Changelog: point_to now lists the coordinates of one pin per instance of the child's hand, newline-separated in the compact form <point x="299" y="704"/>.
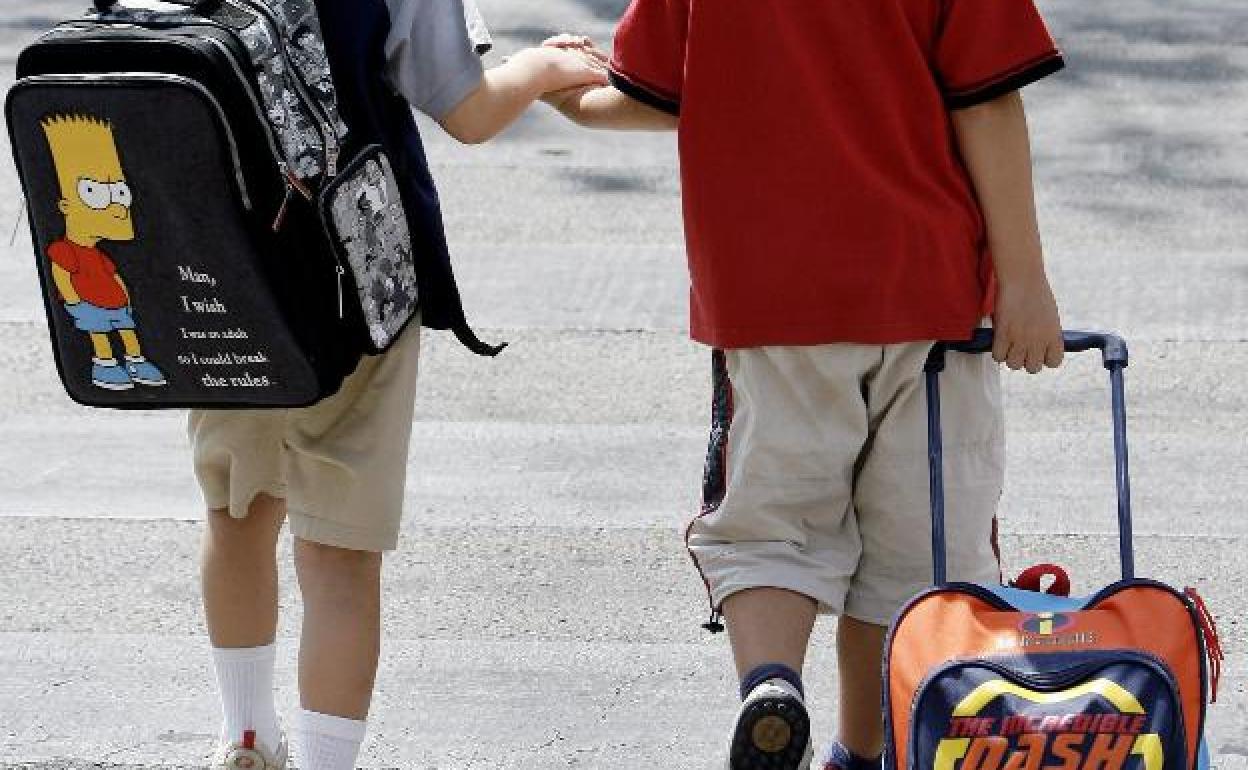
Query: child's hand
<point x="558" y="68"/>
<point x="1028" y="330"/>
<point x="577" y="43"/>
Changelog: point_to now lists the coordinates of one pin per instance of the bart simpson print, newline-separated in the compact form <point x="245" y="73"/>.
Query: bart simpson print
<point x="96" y="201"/>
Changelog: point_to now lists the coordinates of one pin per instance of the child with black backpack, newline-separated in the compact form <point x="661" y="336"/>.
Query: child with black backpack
<point x="337" y="469"/>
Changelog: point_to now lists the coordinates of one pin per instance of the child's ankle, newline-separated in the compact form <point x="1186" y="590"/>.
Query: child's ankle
<point x="843" y="758"/>
<point x="762" y="673"/>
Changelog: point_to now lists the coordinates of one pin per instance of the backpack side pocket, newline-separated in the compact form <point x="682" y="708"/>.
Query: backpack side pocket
<point x="366" y="224"/>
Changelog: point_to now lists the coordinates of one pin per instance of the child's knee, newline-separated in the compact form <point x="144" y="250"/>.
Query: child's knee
<point x="338" y="565"/>
<point x="260" y="527"/>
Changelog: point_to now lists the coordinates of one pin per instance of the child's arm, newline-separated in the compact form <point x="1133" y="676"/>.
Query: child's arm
<point x="997" y="152"/>
<point x="608" y="107"/>
<point x="508" y="90"/>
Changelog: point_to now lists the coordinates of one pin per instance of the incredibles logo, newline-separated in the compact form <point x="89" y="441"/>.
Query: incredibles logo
<point x="1078" y="740"/>
<point x="1048" y="630"/>
<point x="1046" y="623"/>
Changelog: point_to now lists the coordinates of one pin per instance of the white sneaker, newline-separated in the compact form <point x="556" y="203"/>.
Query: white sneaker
<point x="247" y="756"/>
<point x="772" y="731"/>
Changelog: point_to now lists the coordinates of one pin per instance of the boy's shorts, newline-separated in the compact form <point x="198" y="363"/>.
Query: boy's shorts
<point x="341" y="465"/>
<point x="817" y="475"/>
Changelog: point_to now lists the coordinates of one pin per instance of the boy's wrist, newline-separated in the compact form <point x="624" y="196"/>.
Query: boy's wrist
<point x="1021" y="269"/>
<point x="1019" y="259"/>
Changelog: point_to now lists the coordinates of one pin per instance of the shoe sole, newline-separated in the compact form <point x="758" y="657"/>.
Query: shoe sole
<point x="152" y="383"/>
<point x="112" y="385"/>
<point x="771" y="734"/>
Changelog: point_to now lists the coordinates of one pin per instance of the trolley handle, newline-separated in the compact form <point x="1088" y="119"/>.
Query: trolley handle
<point x="1113" y="348"/>
<point x="1114" y="357"/>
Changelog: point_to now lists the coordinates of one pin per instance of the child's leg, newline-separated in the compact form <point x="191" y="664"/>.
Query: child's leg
<point x="239" y="582"/>
<point x="894" y="514"/>
<point x="769" y="625"/>
<point x="859" y="648"/>
<point x="341" y="637"/>
<point x="777" y="537"/>
<point x="338" y="652"/>
<point x="238" y="573"/>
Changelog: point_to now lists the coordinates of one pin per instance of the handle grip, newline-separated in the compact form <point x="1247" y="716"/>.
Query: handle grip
<point x="1113" y="348"/>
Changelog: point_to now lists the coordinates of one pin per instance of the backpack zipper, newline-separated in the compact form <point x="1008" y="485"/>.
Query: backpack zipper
<point x="177" y="39"/>
<point x="194" y="86"/>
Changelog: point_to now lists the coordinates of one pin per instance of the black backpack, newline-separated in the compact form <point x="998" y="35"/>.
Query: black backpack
<point x="207" y="231"/>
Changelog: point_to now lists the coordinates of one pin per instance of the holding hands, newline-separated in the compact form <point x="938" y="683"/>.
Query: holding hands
<point x="563" y="62"/>
<point x="508" y="89"/>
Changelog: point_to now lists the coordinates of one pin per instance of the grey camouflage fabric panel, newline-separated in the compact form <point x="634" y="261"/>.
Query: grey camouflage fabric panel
<point x="371" y="225"/>
<point x="296" y="127"/>
<point x="306" y="47"/>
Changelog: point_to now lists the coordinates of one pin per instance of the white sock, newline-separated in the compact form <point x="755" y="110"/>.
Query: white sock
<point x="324" y="742"/>
<point x="245" y="679"/>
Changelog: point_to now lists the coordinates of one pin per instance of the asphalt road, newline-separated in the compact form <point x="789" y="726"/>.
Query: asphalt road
<point x="541" y="611"/>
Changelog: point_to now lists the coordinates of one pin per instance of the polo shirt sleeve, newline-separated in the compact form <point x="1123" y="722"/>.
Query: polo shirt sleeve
<point x="431" y="52"/>
<point x="988" y="48"/>
<point x="649" y="59"/>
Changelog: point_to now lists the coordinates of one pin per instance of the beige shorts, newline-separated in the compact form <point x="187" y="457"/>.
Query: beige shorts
<point x="341" y="465"/>
<point x="817" y="475"/>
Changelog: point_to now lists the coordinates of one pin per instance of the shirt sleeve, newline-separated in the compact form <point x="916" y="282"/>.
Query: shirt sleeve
<point x="63" y="256"/>
<point x="988" y="48"/>
<point x="431" y="55"/>
<point x="649" y="60"/>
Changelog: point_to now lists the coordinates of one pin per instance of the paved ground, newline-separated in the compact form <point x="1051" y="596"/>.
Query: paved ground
<point x="541" y="611"/>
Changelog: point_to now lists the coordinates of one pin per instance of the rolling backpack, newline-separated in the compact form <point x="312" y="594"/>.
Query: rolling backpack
<point x="208" y="230"/>
<point x="986" y="677"/>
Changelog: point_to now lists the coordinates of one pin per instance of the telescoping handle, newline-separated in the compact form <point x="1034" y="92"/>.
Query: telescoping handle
<point x="1113" y="355"/>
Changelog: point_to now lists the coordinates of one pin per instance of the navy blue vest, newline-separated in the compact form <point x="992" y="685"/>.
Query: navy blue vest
<point x="355" y="34"/>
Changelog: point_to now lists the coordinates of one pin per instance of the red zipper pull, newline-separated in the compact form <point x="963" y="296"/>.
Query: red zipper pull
<point x="293" y="184"/>
<point x="1213" y="642"/>
<point x="280" y="219"/>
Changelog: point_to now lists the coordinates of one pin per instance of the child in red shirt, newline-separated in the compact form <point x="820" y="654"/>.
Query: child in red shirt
<point x="856" y="184"/>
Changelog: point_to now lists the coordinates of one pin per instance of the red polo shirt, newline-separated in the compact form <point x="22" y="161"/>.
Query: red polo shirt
<point x="824" y="197"/>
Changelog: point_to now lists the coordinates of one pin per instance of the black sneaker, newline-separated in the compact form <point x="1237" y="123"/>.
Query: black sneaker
<point x="772" y="730"/>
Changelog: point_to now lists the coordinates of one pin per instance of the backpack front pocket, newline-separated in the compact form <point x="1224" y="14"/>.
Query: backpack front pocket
<point x="1089" y="711"/>
<point x="157" y="291"/>
<point x="367" y="225"/>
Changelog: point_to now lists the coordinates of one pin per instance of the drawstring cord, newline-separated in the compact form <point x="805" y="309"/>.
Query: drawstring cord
<point x="716" y="624"/>
<point x="1213" y="643"/>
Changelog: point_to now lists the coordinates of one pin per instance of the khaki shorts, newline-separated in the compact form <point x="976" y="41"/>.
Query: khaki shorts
<point x="817" y="475"/>
<point x="341" y="465"/>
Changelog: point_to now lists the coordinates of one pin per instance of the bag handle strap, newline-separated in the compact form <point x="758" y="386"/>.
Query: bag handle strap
<point x="1114" y="357"/>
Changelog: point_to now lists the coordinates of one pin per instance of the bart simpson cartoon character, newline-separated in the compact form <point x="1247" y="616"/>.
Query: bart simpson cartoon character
<point x="95" y="201"/>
